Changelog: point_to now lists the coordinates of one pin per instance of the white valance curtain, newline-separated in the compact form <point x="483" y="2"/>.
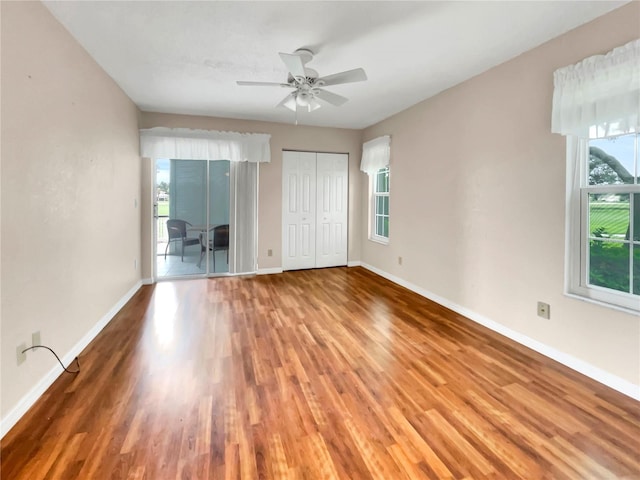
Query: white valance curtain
<point x="376" y="154"/>
<point x="188" y="144"/>
<point x="600" y="95"/>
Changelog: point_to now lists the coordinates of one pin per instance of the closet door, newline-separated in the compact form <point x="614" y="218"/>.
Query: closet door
<point x="331" y="209"/>
<point x="298" y="210"/>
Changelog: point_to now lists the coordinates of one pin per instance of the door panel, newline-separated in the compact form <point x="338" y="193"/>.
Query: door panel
<point x="332" y="172"/>
<point x="306" y="189"/>
<point x="293" y="193"/>
<point x="299" y="218"/>
<point x="337" y="239"/>
<point x="291" y="250"/>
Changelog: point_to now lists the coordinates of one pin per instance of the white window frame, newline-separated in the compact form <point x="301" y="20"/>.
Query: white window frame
<point x="577" y="231"/>
<point x="373" y="196"/>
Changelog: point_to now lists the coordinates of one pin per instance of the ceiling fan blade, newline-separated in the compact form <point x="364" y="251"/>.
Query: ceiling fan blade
<point x="331" y="98"/>
<point x="294" y="64"/>
<point x="314" y="105"/>
<point x="263" y="84"/>
<point x="288" y="102"/>
<point x="355" y="75"/>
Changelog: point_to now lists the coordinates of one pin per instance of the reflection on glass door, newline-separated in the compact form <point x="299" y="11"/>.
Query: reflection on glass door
<point x="218" y="233"/>
<point x="192" y="198"/>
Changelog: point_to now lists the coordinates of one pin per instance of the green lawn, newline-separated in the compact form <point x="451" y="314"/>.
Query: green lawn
<point x="163" y="208"/>
<point x="609" y="266"/>
<point x="612" y="218"/>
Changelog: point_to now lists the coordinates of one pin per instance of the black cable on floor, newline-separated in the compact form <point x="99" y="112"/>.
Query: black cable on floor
<point x="59" y="361"/>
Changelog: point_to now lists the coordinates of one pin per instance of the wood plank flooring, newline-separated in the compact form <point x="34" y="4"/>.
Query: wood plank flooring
<point x="333" y="373"/>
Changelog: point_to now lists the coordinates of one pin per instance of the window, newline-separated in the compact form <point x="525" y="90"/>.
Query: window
<point x="595" y="106"/>
<point x="380" y="205"/>
<point x="608" y="209"/>
<point x="376" y="156"/>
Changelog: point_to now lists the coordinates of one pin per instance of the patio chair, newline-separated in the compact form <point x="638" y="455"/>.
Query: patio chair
<point x="177" y="230"/>
<point x="203" y="246"/>
<point x="220" y="241"/>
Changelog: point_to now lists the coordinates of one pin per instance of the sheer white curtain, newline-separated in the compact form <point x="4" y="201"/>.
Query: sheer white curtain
<point x="577" y="151"/>
<point x="243" y="256"/>
<point x="376" y="154"/>
<point x="245" y="151"/>
<point x="600" y="95"/>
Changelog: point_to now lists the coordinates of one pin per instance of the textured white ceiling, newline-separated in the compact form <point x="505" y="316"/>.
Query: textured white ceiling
<point x="184" y="57"/>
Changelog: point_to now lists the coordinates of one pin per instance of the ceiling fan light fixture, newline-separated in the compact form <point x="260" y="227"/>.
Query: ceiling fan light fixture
<point x="290" y="103"/>
<point x="303" y="99"/>
<point x="314" y="105"/>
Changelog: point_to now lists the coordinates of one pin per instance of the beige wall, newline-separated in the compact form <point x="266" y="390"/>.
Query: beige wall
<point x="478" y="198"/>
<point x="70" y="177"/>
<point x="283" y="137"/>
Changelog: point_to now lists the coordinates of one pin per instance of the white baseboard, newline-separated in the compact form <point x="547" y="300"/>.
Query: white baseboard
<point x="147" y="281"/>
<point x="613" y="381"/>
<point x="269" y="271"/>
<point x="45" y="382"/>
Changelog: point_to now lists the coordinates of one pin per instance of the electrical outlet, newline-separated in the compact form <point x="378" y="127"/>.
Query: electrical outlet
<point x="269" y="253"/>
<point x="35" y="339"/>
<point x="544" y="310"/>
<point x="399" y="260"/>
<point x="21" y="357"/>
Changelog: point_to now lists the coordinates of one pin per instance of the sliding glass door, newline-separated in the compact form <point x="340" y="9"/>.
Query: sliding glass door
<point x="192" y="217"/>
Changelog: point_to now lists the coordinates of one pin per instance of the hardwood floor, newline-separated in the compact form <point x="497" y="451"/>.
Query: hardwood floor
<point x="333" y="373"/>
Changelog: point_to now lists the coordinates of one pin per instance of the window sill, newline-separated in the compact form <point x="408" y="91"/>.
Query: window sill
<point x="602" y="303"/>
<point x="380" y="240"/>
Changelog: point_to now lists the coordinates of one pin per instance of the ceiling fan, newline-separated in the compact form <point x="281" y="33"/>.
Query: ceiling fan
<point x="307" y="85"/>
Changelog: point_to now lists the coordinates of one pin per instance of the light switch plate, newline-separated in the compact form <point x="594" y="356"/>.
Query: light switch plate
<point x="544" y="310"/>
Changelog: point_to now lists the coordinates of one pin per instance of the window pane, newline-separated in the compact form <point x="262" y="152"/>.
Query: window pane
<point x="636" y="216"/>
<point x="378" y="225"/>
<point x="385" y="229"/>
<point x="612" y="160"/>
<point x="609" y="264"/>
<point x="609" y="216"/>
<point x="382" y="180"/>
<point x="379" y="205"/>
<point x="636" y="269"/>
<point x="385" y="203"/>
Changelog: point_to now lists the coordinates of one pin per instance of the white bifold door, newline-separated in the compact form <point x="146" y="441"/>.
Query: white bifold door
<point x="314" y="209"/>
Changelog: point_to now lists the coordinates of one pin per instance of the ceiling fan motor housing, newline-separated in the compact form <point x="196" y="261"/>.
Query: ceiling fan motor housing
<point x="305" y="55"/>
